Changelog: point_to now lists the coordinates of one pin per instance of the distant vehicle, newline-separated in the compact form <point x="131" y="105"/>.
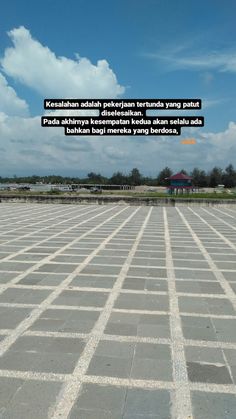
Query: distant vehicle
<point x="61" y="188"/>
<point x="219" y="189"/>
<point x="23" y="188"/>
<point x="96" y="190"/>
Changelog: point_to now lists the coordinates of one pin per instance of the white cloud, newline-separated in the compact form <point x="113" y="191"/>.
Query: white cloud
<point x="116" y="154"/>
<point x="219" y="61"/>
<point x="29" y="148"/>
<point x="10" y="103"/>
<point x="221" y="145"/>
<point x="216" y="60"/>
<point x="26" y="148"/>
<point x="37" y="67"/>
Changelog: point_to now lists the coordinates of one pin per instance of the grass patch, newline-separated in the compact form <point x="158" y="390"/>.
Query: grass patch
<point x="216" y="196"/>
<point x="165" y="195"/>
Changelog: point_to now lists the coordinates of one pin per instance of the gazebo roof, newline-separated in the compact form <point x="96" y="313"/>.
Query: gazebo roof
<point x="179" y="176"/>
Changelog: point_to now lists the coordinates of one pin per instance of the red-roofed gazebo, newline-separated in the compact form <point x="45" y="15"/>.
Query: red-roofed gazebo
<point x="180" y="182"/>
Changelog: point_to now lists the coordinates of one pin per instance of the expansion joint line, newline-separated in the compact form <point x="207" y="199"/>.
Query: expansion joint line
<point x="218" y="274"/>
<point x="6" y="343"/>
<point x="218" y="218"/>
<point x="222" y="237"/>
<point x="42" y="218"/>
<point x="46" y="259"/>
<point x="182" y="402"/>
<point x="78" y="214"/>
<point x="72" y="388"/>
<point x="229" y="293"/>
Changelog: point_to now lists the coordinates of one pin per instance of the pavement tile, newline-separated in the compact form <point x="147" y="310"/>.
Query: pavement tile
<point x="82" y="298"/>
<point x="96" y="401"/>
<point x="204" y="355"/>
<point x="191" y="264"/>
<point x="198" y="328"/>
<point x="194" y="274"/>
<point x="10" y="317"/>
<point x="147" y="272"/>
<point x="46" y="344"/>
<point x="148" y="403"/>
<point x="208" y="373"/>
<point x="187" y="255"/>
<point x="45" y="354"/>
<point x="142" y="325"/>
<point x="115" y="349"/>
<point x="152" y="351"/>
<point x="28" y="257"/>
<point x="93" y="281"/>
<point x="100" y="269"/>
<point x="225" y="329"/>
<point x="230" y="276"/>
<point x="56" y="267"/>
<point x="142" y="302"/>
<point x="6" y="276"/>
<point x="15" y="266"/>
<point x="145" y="284"/>
<point x="199" y="287"/>
<point x="111" y="260"/>
<point x="25" y="296"/>
<point x="30" y="399"/>
<point x="68" y="259"/>
<point x="137" y="261"/>
<point x="110" y="366"/>
<point x="206" y="305"/>
<point x="213" y="406"/>
<point x="150" y="369"/>
<point x="43" y="279"/>
<point x="150" y="254"/>
<point x="68" y="321"/>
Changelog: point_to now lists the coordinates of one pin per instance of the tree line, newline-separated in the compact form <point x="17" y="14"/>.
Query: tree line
<point x="200" y="178"/>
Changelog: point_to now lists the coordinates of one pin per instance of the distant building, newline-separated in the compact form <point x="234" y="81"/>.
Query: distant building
<point x="180" y="183"/>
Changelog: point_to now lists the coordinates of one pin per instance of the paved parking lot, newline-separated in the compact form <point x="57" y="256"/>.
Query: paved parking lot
<point x="117" y="312"/>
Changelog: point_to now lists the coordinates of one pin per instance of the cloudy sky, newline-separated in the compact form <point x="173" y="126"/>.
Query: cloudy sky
<point x="120" y="49"/>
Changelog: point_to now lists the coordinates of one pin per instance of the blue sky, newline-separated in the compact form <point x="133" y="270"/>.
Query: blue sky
<point x="151" y="49"/>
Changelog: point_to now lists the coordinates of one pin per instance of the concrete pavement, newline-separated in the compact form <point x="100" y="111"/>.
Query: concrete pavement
<point x="117" y="312"/>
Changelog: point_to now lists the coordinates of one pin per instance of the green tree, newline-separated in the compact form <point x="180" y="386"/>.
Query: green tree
<point x="163" y="175"/>
<point x="229" y="177"/>
<point x="135" y="177"/>
<point x="95" y="177"/>
<point x="118" y="178"/>
<point x="215" y="177"/>
<point x="199" y="177"/>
